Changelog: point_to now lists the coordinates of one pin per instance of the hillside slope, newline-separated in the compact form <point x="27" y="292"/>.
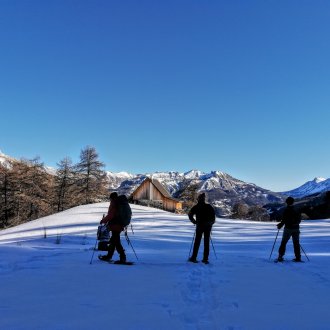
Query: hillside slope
<point x="45" y="285"/>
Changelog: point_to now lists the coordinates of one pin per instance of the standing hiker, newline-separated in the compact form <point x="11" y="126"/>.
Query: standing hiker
<point x="116" y="220"/>
<point x="291" y="219"/>
<point x="203" y="216"/>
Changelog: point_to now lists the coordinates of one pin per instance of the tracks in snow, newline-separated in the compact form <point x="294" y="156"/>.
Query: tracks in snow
<point x="198" y="290"/>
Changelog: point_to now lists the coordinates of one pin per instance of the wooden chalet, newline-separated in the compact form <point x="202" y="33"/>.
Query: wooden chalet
<point x="152" y="193"/>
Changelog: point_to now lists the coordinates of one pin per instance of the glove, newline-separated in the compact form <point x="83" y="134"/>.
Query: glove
<point x="279" y="225"/>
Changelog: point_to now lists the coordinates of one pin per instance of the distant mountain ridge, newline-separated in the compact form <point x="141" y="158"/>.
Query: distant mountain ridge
<point x="316" y="186"/>
<point x="223" y="190"/>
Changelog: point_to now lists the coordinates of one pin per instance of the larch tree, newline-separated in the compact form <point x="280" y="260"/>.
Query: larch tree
<point x="33" y="188"/>
<point x="64" y="185"/>
<point x="6" y="194"/>
<point x="91" y="178"/>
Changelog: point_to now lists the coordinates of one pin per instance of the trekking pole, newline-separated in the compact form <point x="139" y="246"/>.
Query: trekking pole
<point x="274" y="244"/>
<point x="93" y="252"/>
<point x="304" y="252"/>
<point x="129" y="243"/>
<point x="192" y="242"/>
<point x="216" y="257"/>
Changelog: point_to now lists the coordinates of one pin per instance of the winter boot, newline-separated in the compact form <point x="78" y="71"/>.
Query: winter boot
<point x="205" y="261"/>
<point x="105" y="257"/>
<point x="192" y="259"/>
<point x="280" y="259"/>
<point x="122" y="258"/>
<point x="297" y="259"/>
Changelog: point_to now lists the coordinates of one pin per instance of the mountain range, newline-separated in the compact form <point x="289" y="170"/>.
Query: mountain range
<point x="316" y="186"/>
<point x="223" y="190"/>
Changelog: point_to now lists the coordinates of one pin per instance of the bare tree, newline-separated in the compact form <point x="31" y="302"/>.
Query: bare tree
<point x="6" y="194"/>
<point x="188" y="193"/>
<point x="240" y="211"/>
<point x="28" y="191"/>
<point x="91" y="179"/>
<point x="64" y="185"/>
<point x="258" y="213"/>
<point x="32" y="189"/>
<point x="255" y="212"/>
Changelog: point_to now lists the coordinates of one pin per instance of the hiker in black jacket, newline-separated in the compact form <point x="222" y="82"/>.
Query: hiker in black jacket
<point x="291" y="219"/>
<point x="204" y="219"/>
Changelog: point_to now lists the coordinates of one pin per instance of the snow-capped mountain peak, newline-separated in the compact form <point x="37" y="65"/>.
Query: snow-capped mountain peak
<point x="193" y="174"/>
<point x="116" y="179"/>
<point x="315" y="186"/>
<point x="319" y="179"/>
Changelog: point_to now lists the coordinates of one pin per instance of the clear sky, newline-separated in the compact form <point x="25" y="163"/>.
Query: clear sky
<point x="236" y="86"/>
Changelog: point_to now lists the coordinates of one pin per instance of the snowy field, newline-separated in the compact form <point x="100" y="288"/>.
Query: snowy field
<point x="49" y="283"/>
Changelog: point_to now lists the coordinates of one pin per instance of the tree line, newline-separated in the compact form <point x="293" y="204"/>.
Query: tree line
<point x="29" y="191"/>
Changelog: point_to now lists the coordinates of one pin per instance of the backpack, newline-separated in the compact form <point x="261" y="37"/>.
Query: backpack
<point x="124" y="214"/>
<point x="103" y="237"/>
<point x="103" y="233"/>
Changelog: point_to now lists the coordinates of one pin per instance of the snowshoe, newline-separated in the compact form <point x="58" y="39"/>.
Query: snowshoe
<point x="104" y="258"/>
<point x="122" y="262"/>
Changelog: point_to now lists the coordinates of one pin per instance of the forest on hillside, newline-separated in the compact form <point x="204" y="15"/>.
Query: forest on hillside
<point x="29" y="191"/>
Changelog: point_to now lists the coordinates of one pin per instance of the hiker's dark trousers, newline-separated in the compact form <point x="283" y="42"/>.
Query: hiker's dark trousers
<point x="287" y="233"/>
<point x="115" y="244"/>
<point x="200" y="231"/>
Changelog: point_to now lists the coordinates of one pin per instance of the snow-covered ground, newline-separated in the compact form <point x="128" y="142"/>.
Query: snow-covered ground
<point x="49" y="283"/>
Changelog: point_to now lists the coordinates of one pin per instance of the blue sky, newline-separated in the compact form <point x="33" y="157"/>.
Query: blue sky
<point x="237" y="86"/>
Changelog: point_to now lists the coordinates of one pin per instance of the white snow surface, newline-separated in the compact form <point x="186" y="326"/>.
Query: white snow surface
<point x="45" y="285"/>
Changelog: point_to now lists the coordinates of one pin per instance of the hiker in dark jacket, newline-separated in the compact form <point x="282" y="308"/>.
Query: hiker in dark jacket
<point x="291" y="219"/>
<point x="203" y="216"/>
<point x="113" y="223"/>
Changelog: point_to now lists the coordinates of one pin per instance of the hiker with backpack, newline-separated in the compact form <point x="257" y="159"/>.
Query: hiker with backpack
<point x="118" y="217"/>
<point x="203" y="216"/>
<point x="291" y="219"/>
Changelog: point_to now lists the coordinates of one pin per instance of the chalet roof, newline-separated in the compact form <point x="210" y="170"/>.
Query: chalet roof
<point x="161" y="188"/>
